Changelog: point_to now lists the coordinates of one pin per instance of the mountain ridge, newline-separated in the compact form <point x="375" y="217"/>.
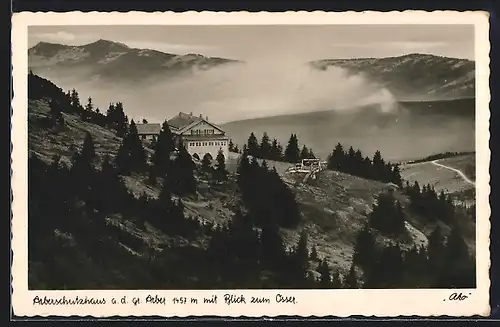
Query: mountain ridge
<point x="413" y="76"/>
<point x="113" y="61"/>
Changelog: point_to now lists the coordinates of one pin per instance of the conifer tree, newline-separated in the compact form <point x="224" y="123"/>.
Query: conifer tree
<point x="292" y="151"/>
<point x="458" y="267"/>
<point x="396" y="176"/>
<point x="90" y="105"/>
<point x="165" y="202"/>
<point x="325" y="279"/>
<point x="301" y="257"/>
<point x="231" y="146"/>
<point x="304" y="153"/>
<point x="220" y="168"/>
<point x="206" y="163"/>
<point x="276" y="151"/>
<point x="253" y="145"/>
<point x="436" y="250"/>
<point x="88" y="150"/>
<point x="164" y="147"/>
<point x="120" y="120"/>
<point x="351" y="280"/>
<point x="337" y="158"/>
<point x="311" y="154"/>
<point x="152" y="176"/>
<point x="75" y="100"/>
<point x="182" y="176"/>
<point x="265" y="147"/>
<point x="314" y="254"/>
<point x="131" y="155"/>
<point x="336" y="280"/>
<point x="378" y="166"/>
<point x="243" y="168"/>
<point x="273" y="250"/>
<point x="364" y="251"/>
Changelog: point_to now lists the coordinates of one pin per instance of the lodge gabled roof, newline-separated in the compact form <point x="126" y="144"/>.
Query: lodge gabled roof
<point x="178" y="124"/>
<point x="148" y="129"/>
<point x="183" y="122"/>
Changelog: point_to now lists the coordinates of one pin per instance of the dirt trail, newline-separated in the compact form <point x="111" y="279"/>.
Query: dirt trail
<point x="465" y="178"/>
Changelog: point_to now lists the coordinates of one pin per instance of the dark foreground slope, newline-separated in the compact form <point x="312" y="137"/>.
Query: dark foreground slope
<point x="115" y="238"/>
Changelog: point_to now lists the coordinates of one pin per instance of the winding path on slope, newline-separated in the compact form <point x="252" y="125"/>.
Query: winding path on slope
<point x="465" y="178"/>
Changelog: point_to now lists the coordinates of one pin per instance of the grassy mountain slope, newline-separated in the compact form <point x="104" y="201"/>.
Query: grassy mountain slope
<point x="445" y="179"/>
<point x="414" y="76"/>
<point x="334" y="208"/>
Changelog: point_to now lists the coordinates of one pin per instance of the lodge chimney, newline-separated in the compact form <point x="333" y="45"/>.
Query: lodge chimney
<point x="191" y="114"/>
<point x="201" y="116"/>
<point x="206" y="118"/>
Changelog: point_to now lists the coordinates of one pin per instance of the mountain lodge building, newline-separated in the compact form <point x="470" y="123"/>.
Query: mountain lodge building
<point x="199" y="136"/>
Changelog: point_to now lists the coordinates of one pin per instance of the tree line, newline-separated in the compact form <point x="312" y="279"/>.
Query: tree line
<point x="441" y="156"/>
<point x="354" y="163"/>
<point x="445" y="263"/>
<point x="69" y="102"/>
<point x="273" y="150"/>
<point x="351" y="161"/>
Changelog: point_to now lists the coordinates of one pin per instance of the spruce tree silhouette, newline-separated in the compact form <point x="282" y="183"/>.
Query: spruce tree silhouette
<point x="206" y="163"/>
<point x="265" y="147"/>
<point x="220" y="167"/>
<point x="351" y="280"/>
<point x="311" y="154"/>
<point x="459" y="267"/>
<point x="276" y="151"/>
<point x="336" y="159"/>
<point x="314" y="254"/>
<point x="325" y="279"/>
<point x="300" y="258"/>
<point x="292" y="151"/>
<point x="304" y="153"/>
<point x="253" y="145"/>
<point x="182" y="176"/>
<point x="88" y="150"/>
<point x="131" y="156"/>
<point x="365" y="249"/>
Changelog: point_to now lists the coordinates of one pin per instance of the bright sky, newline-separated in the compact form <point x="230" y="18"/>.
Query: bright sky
<point x="270" y="41"/>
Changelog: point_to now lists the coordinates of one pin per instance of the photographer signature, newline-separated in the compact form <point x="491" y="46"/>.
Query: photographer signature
<point x="457" y="297"/>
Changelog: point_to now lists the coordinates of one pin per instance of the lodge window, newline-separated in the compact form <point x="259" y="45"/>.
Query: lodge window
<point x="143" y="137"/>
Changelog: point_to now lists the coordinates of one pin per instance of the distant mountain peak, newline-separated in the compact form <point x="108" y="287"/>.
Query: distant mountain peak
<point x="103" y="42"/>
